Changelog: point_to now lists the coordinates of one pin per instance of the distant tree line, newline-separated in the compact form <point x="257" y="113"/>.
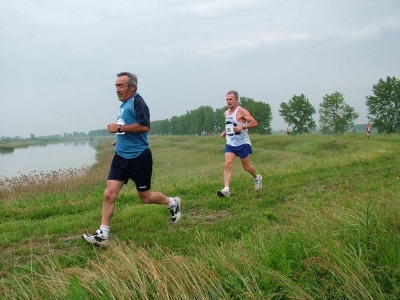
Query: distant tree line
<point x="336" y="116"/>
<point x="205" y="120"/>
<point x="75" y="135"/>
<point x="98" y="133"/>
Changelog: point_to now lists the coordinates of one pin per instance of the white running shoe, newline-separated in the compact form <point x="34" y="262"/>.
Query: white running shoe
<point x="175" y="211"/>
<point x="258" y="183"/>
<point x="96" y="239"/>
<point x="224" y="193"/>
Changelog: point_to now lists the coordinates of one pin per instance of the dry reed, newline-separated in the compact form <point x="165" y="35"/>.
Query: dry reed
<point x="36" y="183"/>
<point x="122" y="271"/>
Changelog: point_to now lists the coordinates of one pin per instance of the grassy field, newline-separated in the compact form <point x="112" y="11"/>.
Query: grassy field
<point x="326" y="225"/>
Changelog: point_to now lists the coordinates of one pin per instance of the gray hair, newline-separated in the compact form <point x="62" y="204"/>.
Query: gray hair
<point x="235" y="93"/>
<point x="132" y="78"/>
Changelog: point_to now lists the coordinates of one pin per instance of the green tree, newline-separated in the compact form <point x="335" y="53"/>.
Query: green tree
<point x="176" y="125"/>
<point x="298" y="114"/>
<point x="336" y="116"/>
<point x="160" y="127"/>
<point x="384" y="106"/>
<point x="209" y="119"/>
<point x="219" y="119"/>
<point x="186" y="121"/>
<point x="203" y="119"/>
<point x="261" y="112"/>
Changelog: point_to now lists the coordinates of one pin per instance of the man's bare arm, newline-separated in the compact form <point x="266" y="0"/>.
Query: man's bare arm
<point x="244" y="117"/>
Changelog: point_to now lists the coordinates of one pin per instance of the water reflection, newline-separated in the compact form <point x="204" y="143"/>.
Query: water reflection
<point x="7" y="152"/>
<point x="80" y="143"/>
<point x="46" y="157"/>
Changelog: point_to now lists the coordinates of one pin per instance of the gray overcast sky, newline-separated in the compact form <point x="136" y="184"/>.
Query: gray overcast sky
<point x="58" y="59"/>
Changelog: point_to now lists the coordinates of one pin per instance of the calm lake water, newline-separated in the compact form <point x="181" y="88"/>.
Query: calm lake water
<point x="65" y="155"/>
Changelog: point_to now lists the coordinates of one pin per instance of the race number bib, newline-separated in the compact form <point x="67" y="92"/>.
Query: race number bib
<point x="229" y="129"/>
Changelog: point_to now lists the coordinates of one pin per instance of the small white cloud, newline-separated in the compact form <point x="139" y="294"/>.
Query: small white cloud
<point x="209" y="7"/>
<point x="375" y="29"/>
<point x="253" y="40"/>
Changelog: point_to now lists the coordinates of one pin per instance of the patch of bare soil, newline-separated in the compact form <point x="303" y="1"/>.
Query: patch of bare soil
<point x="208" y="218"/>
<point x="184" y="139"/>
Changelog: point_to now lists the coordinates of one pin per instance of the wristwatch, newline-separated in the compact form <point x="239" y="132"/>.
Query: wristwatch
<point x="244" y="126"/>
<point x="119" y="128"/>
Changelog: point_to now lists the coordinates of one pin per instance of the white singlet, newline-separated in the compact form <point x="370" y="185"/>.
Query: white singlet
<point x="235" y="138"/>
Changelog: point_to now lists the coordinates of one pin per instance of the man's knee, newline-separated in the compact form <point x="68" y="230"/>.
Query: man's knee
<point x="227" y="166"/>
<point x="247" y="168"/>
<point x="145" y="197"/>
<point x="110" y="194"/>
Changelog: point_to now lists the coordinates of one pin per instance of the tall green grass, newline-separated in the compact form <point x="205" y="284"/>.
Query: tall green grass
<point x="326" y="225"/>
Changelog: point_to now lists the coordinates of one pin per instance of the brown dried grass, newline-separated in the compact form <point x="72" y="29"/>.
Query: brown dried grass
<point x="62" y="180"/>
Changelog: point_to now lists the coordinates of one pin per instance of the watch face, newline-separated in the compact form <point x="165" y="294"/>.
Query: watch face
<point x="119" y="129"/>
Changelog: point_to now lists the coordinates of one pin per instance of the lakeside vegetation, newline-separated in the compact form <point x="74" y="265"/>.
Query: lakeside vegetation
<point x="10" y="145"/>
<point x="326" y="225"/>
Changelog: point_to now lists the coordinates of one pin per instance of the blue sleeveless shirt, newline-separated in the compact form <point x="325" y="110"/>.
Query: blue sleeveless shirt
<point x="134" y="110"/>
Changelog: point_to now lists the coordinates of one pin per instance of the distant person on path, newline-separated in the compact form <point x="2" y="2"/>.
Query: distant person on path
<point x="287" y="132"/>
<point x="132" y="159"/>
<point x="368" y="129"/>
<point x="237" y="122"/>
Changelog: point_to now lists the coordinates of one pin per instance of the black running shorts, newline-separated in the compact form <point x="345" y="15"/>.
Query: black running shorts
<point x="139" y="169"/>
